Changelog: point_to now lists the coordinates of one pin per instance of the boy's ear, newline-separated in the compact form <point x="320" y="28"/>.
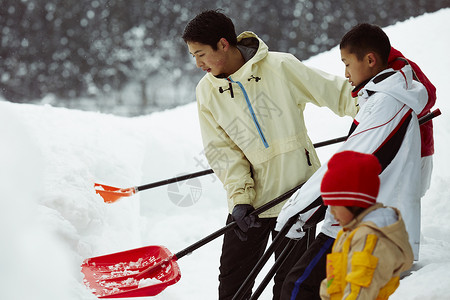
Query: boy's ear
<point x="223" y="44"/>
<point x="371" y="59"/>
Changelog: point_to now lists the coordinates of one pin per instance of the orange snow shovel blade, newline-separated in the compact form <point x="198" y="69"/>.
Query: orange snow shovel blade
<point x="140" y="272"/>
<point x="111" y="194"/>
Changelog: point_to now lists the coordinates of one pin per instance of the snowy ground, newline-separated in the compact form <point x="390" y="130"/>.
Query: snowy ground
<point x="51" y="219"/>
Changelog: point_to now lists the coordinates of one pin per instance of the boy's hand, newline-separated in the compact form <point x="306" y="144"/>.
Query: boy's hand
<point x="296" y="231"/>
<point x="241" y="214"/>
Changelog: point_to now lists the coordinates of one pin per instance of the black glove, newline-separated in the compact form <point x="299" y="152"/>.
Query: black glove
<point x="241" y="214"/>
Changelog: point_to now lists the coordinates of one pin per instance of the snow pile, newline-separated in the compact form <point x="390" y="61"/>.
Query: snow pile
<point x="51" y="219"/>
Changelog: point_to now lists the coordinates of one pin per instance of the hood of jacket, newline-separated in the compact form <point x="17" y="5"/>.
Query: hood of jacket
<point x="247" y="39"/>
<point x="399" y="85"/>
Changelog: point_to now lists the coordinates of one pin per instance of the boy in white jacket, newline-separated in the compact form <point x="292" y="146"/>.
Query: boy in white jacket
<point x="385" y="126"/>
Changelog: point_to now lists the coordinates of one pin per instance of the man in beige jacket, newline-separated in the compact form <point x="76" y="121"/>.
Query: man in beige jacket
<point x="250" y="106"/>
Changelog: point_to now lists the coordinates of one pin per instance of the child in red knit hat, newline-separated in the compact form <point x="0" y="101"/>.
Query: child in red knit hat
<point x="372" y="248"/>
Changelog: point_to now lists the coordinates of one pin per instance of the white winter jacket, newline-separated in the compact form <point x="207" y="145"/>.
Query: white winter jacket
<point x="386" y="126"/>
<point x="252" y="123"/>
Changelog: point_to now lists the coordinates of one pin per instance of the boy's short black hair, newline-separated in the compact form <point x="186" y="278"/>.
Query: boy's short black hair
<point x="365" y="38"/>
<point x="209" y="27"/>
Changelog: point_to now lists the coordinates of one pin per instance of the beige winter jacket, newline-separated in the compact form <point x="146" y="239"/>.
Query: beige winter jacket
<point x="368" y="256"/>
<point x="254" y="134"/>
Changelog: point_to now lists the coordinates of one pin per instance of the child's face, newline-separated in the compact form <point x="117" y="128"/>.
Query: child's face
<point x="357" y="71"/>
<point x="341" y="214"/>
<point x="208" y="59"/>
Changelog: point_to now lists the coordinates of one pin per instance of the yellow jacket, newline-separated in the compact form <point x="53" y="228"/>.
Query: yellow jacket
<point x="252" y="123"/>
<point x="368" y="257"/>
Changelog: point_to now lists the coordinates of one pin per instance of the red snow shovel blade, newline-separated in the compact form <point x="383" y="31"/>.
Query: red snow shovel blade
<point x="116" y="275"/>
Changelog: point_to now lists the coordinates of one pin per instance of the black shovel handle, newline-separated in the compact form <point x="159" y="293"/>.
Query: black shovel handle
<point x="231" y="225"/>
<point x="218" y="233"/>
<point x="172" y="180"/>
<point x="210" y="171"/>
<point x="422" y="120"/>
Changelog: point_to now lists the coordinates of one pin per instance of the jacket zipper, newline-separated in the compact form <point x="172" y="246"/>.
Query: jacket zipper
<point x="252" y="112"/>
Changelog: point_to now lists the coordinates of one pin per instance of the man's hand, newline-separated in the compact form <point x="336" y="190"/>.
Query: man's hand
<point x="241" y="214"/>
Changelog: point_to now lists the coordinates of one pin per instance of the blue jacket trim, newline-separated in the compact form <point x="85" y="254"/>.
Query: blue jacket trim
<point x="252" y="112"/>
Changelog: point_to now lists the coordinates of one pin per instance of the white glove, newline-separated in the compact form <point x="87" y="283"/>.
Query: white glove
<point x="296" y="231"/>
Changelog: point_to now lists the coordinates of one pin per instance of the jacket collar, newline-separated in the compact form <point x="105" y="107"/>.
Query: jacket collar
<point x="356" y="221"/>
<point x="358" y="88"/>
<point x="376" y="79"/>
<point x="250" y="40"/>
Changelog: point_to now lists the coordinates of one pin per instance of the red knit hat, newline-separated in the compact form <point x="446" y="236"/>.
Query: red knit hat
<point x="351" y="180"/>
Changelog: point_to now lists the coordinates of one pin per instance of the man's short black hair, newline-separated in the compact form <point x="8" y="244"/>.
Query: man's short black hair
<point x="209" y="27"/>
<point x="365" y="38"/>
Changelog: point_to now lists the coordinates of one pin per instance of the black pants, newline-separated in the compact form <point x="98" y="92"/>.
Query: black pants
<point x="303" y="280"/>
<point x="238" y="258"/>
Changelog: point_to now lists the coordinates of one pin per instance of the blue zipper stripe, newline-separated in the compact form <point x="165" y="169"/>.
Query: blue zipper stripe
<point x="252" y="112"/>
<point x="311" y="266"/>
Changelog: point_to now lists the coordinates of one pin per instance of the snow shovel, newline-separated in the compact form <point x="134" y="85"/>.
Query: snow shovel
<point x="111" y="194"/>
<point x="147" y="271"/>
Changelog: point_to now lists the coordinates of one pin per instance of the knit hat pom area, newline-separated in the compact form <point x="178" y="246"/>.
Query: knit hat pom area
<point x="351" y="180"/>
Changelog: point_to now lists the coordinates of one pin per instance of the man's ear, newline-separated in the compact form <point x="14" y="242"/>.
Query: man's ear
<point x="371" y="59"/>
<point x="223" y="44"/>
